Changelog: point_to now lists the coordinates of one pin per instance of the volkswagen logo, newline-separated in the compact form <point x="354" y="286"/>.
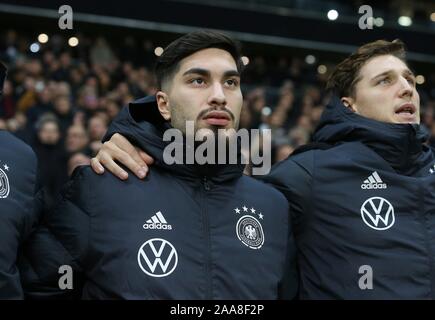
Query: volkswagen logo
<point x="378" y="213"/>
<point x="157" y="257"/>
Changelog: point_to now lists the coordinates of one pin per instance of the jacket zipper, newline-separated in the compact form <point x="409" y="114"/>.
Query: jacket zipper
<point x="206" y="183"/>
<point x="206" y="223"/>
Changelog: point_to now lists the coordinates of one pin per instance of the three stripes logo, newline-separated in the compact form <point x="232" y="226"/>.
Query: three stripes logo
<point x="158" y="222"/>
<point x="373" y="182"/>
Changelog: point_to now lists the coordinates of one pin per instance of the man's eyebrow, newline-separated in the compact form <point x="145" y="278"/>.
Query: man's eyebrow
<point x="201" y="71"/>
<point x="231" y="73"/>
<point x="406" y="71"/>
<point x="382" y="74"/>
<point x="206" y="73"/>
<point x="409" y="72"/>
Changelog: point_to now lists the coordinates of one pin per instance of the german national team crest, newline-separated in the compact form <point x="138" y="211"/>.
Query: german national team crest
<point x="4" y="183"/>
<point x="249" y="229"/>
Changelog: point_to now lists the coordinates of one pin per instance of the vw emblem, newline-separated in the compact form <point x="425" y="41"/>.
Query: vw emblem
<point x="157" y="258"/>
<point x="378" y="213"/>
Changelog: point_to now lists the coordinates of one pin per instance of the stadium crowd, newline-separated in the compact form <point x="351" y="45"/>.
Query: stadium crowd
<point x="60" y="100"/>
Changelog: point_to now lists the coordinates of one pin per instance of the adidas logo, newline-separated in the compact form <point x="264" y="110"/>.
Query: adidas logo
<point x="158" y="222"/>
<point x="374" y="182"/>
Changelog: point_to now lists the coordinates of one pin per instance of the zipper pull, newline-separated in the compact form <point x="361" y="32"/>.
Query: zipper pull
<point x="206" y="183"/>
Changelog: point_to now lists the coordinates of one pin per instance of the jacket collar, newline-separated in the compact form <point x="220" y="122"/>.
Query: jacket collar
<point x="401" y="145"/>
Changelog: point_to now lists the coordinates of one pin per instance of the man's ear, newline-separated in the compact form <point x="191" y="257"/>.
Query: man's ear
<point x="163" y="105"/>
<point x="349" y="103"/>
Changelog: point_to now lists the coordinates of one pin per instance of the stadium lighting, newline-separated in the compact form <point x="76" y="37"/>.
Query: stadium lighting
<point x="332" y="15"/>
<point x="158" y="51"/>
<point x="266" y="111"/>
<point x="379" y="22"/>
<point x="419" y="79"/>
<point x="322" y="69"/>
<point x="245" y="60"/>
<point x="310" y="59"/>
<point x="34" y="47"/>
<point x="404" y="21"/>
<point x="73" y="42"/>
<point x="43" y="38"/>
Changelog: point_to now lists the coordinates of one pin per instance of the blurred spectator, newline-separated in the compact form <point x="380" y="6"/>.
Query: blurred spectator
<point x="100" y="53"/>
<point x="18" y="126"/>
<point x="299" y="136"/>
<point x="61" y="72"/>
<point x="29" y="96"/>
<point x="256" y="102"/>
<point x="77" y="159"/>
<point x="283" y="148"/>
<point x="63" y="112"/>
<point x="7" y="103"/>
<point x="97" y="128"/>
<point x="41" y="105"/>
<point x="88" y="98"/>
<point x="112" y="109"/>
<point x="51" y="156"/>
<point x="316" y="114"/>
<point x="85" y="87"/>
<point x="77" y="140"/>
<point x="245" y="116"/>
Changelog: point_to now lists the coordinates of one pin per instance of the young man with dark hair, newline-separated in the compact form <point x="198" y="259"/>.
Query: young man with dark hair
<point x="362" y="196"/>
<point x="190" y="231"/>
<point x="18" y="166"/>
<point x="168" y="63"/>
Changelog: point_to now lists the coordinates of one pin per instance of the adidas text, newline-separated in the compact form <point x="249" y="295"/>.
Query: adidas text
<point x="158" y="226"/>
<point x="374" y="186"/>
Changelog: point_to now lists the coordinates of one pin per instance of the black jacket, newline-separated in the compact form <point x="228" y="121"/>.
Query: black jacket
<point x="367" y="200"/>
<point x="186" y="232"/>
<point x="18" y="189"/>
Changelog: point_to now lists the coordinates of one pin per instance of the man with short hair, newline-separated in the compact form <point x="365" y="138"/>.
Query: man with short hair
<point x="362" y="196"/>
<point x="362" y="200"/>
<point x="190" y="231"/>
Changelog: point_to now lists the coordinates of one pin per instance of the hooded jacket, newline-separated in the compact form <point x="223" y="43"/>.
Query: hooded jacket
<point x="363" y="210"/>
<point x="18" y="200"/>
<point x="186" y="232"/>
<point x="18" y="190"/>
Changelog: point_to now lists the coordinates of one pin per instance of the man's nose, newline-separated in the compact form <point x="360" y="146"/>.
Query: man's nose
<point x="406" y="88"/>
<point x="217" y="96"/>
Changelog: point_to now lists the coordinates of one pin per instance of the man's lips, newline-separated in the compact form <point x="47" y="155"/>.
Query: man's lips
<point x="406" y="108"/>
<point x="407" y="113"/>
<point x="217" y="118"/>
